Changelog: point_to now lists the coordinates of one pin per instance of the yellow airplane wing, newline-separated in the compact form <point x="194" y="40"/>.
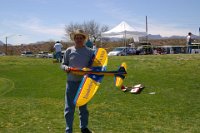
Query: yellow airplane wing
<point x="91" y="82"/>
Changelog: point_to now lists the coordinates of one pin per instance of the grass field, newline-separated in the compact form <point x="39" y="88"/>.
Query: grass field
<point x="32" y="96"/>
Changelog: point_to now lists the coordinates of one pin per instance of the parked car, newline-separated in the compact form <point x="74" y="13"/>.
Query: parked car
<point x="2" y="54"/>
<point x="131" y="51"/>
<point x="122" y="51"/>
<point x="144" y="50"/>
<point x="42" y="54"/>
<point x="50" y="55"/>
<point x="27" y="54"/>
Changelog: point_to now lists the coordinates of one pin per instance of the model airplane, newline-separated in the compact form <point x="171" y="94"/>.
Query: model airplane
<point x="93" y="76"/>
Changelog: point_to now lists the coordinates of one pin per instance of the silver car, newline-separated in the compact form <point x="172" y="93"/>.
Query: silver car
<point x="122" y="51"/>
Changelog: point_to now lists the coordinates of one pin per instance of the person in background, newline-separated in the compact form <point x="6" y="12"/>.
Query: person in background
<point x="189" y="43"/>
<point x="58" y="49"/>
<point x="94" y="46"/>
<point x="78" y="56"/>
<point x="89" y="44"/>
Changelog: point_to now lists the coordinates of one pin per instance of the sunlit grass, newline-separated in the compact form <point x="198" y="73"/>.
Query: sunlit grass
<point x="32" y="96"/>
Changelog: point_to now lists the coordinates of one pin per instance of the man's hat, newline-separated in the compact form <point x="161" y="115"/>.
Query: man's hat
<point x="78" y="32"/>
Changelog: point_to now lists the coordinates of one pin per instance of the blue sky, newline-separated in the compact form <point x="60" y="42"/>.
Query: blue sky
<point x="43" y="20"/>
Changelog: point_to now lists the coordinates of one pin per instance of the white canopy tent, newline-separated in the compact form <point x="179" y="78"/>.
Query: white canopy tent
<point x="123" y="30"/>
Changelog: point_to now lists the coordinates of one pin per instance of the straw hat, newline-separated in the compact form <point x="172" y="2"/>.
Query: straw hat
<point x="78" y="32"/>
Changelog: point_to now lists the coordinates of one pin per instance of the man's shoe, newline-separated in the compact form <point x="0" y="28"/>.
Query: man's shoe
<point x="85" y="130"/>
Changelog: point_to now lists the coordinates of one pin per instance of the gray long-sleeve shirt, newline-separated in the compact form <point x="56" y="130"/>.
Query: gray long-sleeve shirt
<point x="78" y="58"/>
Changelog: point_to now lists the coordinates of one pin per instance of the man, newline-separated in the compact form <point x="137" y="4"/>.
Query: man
<point x="189" y="43"/>
<point x="58" y="49"/>
<point x="78" y="56"/>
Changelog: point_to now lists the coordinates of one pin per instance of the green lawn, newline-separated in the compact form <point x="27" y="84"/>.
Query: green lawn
<point x="32" y="96"/>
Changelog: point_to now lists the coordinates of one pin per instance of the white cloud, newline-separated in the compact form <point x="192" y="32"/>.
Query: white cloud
<point x="167" y="30"/>
<point x="32" y="30"/>
<point x="122" y="14"/>
<point x="138" y="22"/>
<point x="35" y="25"/>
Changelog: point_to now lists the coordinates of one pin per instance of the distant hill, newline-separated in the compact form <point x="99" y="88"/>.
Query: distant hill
<point x="150" y="36"/>
<point x="157" y="37"/>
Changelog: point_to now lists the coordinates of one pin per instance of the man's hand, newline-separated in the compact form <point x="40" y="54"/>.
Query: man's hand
<point x="67" y="69"/>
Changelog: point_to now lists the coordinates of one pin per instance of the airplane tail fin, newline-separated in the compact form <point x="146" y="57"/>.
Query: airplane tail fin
<point x="119" y="78"/>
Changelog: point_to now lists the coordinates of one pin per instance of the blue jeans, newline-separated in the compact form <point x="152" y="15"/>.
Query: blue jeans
<point x="71" y="89"/>
<point x="59" y="56"/>
<point x="189" y="49"/>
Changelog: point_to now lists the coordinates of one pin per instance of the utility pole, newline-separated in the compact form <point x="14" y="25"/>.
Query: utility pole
<point x="199" y="31"/>
<point x="6" y="51"/>
<point x="146" y="30"/>
<point x="199" y="36"/>
<point x="6" y="45"/>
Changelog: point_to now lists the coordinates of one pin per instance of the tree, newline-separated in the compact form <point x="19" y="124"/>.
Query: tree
<point x="91" y="27"/>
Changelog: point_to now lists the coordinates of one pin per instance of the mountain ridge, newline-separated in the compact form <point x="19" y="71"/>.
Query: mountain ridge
<point x="150" y="36"/>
